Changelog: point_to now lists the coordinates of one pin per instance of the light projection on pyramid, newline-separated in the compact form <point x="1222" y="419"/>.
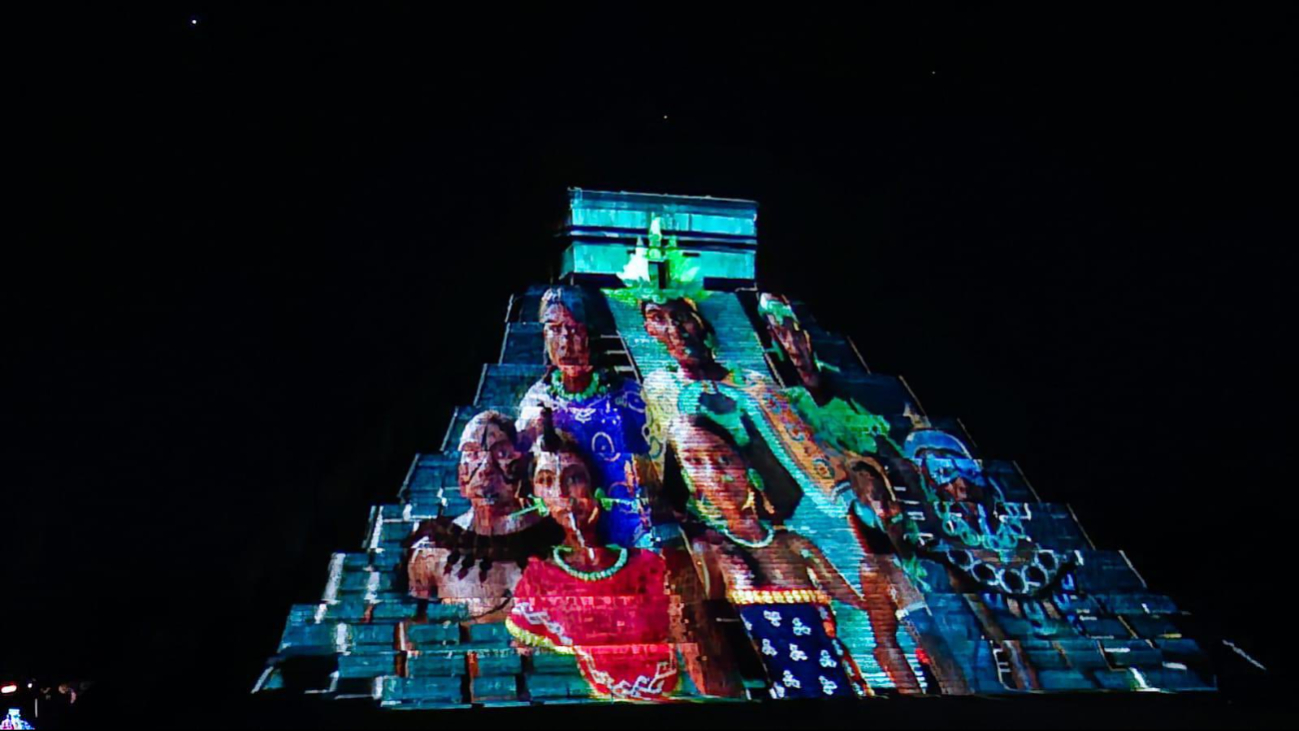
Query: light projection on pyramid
<point x="674" y="486"/>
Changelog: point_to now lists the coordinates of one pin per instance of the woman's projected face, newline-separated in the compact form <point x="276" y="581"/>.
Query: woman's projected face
<point x="716" y="471"/>
<point x="567" y="342"/>
<point x="563" y="483"/>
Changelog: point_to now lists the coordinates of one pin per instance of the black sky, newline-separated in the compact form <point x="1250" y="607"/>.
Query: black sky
<point x="260" y="258"/>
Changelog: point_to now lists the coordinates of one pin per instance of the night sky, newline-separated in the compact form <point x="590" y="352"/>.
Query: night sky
<point x="260" y="257"/>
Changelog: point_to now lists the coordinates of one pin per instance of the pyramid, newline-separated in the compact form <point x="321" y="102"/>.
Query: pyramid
<point x="885" y="553"/>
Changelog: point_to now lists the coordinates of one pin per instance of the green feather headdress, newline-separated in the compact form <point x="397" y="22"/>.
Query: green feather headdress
<point x="683" y="280"/>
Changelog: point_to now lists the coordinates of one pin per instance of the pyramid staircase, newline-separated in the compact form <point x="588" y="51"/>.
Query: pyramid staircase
<point x="365" y="638"/>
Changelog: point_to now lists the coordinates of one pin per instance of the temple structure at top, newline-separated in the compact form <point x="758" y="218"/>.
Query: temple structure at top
<point x="673" y="485"/>
<point x="719" y="235"/>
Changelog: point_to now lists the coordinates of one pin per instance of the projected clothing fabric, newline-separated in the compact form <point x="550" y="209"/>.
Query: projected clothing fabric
<point x="797" y="645"/>
<point x="844" y="424"/>
<point x="618" y="627"/>
<point x="757" y="397"/>
<point x="609" y="427"/>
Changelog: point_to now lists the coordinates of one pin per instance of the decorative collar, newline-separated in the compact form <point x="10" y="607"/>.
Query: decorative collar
<point x="468" y="548"/>
<point x="555" y="386"/>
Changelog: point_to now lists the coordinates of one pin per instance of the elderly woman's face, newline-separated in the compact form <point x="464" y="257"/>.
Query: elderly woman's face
<point x="567" y="343"/>
<point x="680" y="329"/>
<point x="563" y="483"/>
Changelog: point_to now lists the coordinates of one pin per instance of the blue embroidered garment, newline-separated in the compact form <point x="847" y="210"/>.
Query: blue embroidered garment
<point x="802" y="659"/>
<point x="609" y="428"/>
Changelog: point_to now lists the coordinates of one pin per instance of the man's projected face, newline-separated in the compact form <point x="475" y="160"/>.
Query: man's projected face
<point x="797" y="344"/>
<point x="681" y="330"/>
<point x="489" y="463"/>
<point x="567" y="343"/>
<point x="716" y="471"/>
<point x="563" y="483"/>
<point x="952" y="474"/>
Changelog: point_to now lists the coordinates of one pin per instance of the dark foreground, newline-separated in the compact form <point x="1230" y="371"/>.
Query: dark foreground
<point x="1077" y="711"/>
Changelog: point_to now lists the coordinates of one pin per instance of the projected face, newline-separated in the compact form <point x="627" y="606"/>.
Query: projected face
<point x="567" y="343"/>
<point x="869" y="484"/>
<point x="716" y="470"/>
<point x="795" y="341"/>
<point x="953" y="475"/>
<point x="489" y="461"/>
<point x="563" y="483"/>
<point x="682" y="331"/>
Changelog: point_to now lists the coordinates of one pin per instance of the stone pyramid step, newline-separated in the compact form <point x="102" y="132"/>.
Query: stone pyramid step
<point x="523" y="344"/>
<point x="506" y="383"/>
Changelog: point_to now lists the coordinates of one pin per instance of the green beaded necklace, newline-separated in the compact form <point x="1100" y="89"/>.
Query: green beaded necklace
<point x="600" y="575"/>
<point x="557" y="387"/>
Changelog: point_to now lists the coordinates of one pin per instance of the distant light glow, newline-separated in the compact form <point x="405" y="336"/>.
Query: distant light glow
<point x="10" y="688"/>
